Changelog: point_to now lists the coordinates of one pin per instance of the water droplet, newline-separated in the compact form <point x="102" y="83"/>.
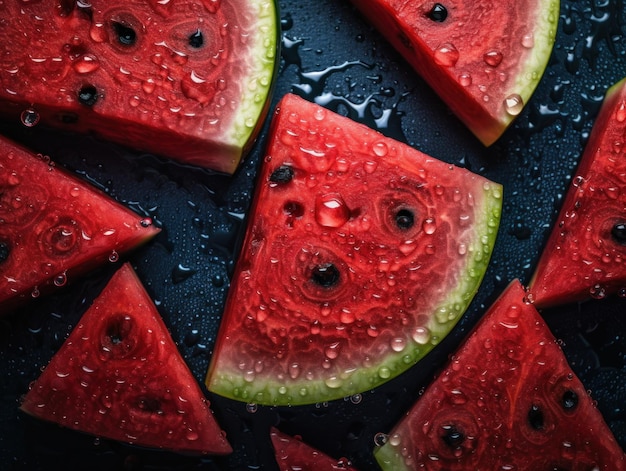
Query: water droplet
<point x="380" y="438"/>
<point x="398" y="344"/>
<point x="114" y="257"/>
<point x="528" y="40"/>
<point x="465" y="79"/>
<point x="333" y="382"/>
<point x="86" y="64"/>
<point x="332" y="351"/>
<point x="429" y="226"/>
<point x="356" y="398"/>
<point x="380" y="149"/>
<point x="446" y="55"/>
<point x="331" y="210"/>
<point x="493" y="58"/>
<point x="60" y="279"/>
<point x="514" y="104"/>
<point x="597" y="291"/>
<point x="30" y="117"/>
<point x="421" y="335"/>
<point x="620" y="113"/>
<point x="251" y="408"/>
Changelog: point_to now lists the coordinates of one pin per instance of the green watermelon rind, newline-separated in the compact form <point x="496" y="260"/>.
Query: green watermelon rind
<point x="533" y="68"/>
<point x="255" y="98"/>
<point x="455" y="301"/>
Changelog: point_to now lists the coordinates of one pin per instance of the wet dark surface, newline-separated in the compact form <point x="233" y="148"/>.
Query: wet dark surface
<point x="330" y="55"/>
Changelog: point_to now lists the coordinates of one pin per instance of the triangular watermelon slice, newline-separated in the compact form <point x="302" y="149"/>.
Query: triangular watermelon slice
<point x="54" y="227"/>
<point x="293" y="454"/>
<point x="507" y="400"/>
<point x="585" y="254"/>
<point x="361" y="254"/>
<point x="120" y="376"/>
<point x="185" y="79"/>
<point x="483" y="58"/>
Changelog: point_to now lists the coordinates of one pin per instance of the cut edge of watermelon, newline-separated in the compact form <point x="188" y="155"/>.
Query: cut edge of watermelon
<point x="454" y="303"/>
<point x="541" y="289"/>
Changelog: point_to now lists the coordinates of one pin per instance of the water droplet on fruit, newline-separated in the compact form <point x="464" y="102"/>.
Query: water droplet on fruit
<point x="493" y="58"/>
<point x="429" y="226"/>
<point x="332" y="351"/>
<point x="528" y="41"/>
<point x="380" y="438"/>
<point x="333" y="382"/>
<point x="620" y="113"/>
<point x="398" y="344"/>
<point x="331" y="210"/>
<point x="380" y="149"/>
<point x="465" y="79"/>
<point x="421" y="335"/>
<point x="446" y="55"/>
<point x="514" y="104"/>
<point x="30" y="117"/>
<point x="86" y="64"/>
<point x="384" y="372"/>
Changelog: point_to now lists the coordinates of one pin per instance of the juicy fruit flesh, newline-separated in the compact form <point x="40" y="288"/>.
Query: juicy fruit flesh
<point x="54" y="227"/>
<point x="119" y="376"/>
<point x="188" y="80"/>
<point x="584" y="255"/>
<point x="361" y="254"/>
<point x="484" y="60"/>
<point x="506" y="400"/>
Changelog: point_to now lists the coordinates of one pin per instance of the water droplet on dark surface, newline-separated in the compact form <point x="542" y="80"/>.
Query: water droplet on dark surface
<point x="181" y="273"/>
<point x="30" y="117"/>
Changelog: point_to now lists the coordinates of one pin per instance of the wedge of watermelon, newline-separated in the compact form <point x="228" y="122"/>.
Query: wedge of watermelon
<point x="483" y="58"/>
<point x="293" y="454"/>
<point x="585" y="254"/>
<point x="507" y="400"/>
<point x="360" y="255"/>
<point x="187" y="79"/>
<point x="119" y="376"/>
<point x="54" y="227"/>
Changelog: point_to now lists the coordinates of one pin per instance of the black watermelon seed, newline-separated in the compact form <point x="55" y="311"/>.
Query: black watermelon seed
<point x="282" y="174"/>
<point x="325" y="275"/>
<point x="4" y="252"/>
<point x="452" y="436"/>
<point x="619" y="233"/>
<point x="88" y="95"/>
<point x="438" y="13"/>
<point x="535" y="418"/>
<point x="196" y="39"/>
<point x="569" y="401"/>
<point x="405" y="219"/>
<point x="126" y="35"/>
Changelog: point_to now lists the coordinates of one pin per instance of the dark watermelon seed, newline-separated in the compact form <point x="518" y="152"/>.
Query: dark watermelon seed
<point x="535" y="417"/>
<point x="149" y="404"/>
<point x="438" y="13"/>
<point x="569" y="401"/>
<point x="116" y="331"/>
<point x="282" y="174"/>
<point x="196" y="39"/>
<point x="619" y="233"/>
<point x="405" y="219"/>
<point x="325" y="275"/>
<point x="126" y="35"/>
<point x="88" y="95"/>
<point x="452" y="436"/>
<point x="4" y="252"/>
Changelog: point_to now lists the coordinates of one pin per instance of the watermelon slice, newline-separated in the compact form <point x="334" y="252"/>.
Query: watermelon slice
<point x="483" y="58"/>
<point x="293" y="454"/>
<point x="120" y="376"/>
<point x="186" y="79"/>
<point x="507" y="400"/>
<point x="54" y="227"/>
<point x="361" y="254"/>
<point x="585" y="254"/>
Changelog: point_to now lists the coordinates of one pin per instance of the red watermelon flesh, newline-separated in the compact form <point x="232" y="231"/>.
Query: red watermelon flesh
<point x="483" y="58"/>
<point x="120" y="376"/>
<point x="585" y="254"/>
<point x="54" y="227"/>
<point x="507" y="400"/>
<point x="292" y="454"/>
<point x="187" y="79"/>
<point x="361" y="253"/>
